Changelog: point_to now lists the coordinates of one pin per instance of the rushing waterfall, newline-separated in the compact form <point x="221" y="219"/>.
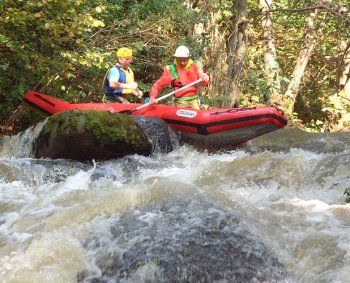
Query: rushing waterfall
<point x="272" y="211"/>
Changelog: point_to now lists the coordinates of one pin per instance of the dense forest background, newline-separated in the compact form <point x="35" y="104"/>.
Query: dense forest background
<point x="292" y="54"/>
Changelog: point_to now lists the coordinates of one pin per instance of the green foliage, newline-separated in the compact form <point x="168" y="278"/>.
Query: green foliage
<point x="218" y="101"/>
<point x="314" y="126"/>
<point x="314" y="106"/>
<point x="43" y="39"/>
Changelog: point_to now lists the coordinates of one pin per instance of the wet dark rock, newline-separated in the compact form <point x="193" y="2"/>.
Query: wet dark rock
<point x="291" y="137"/>
<point x="188" y="241"/>
<point x="162" y="137"/>
<point x="86" y="135"/>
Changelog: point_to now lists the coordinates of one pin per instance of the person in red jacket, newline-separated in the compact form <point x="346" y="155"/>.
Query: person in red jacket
<point x="182" y="72"/>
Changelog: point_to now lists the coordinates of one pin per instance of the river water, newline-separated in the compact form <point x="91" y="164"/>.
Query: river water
<point x="271" y="211"/>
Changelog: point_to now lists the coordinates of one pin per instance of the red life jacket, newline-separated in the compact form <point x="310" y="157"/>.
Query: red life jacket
<point x="183" y="77"/>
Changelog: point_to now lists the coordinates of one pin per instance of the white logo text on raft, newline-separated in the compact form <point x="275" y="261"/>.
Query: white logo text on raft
<point x="186" y="113"/>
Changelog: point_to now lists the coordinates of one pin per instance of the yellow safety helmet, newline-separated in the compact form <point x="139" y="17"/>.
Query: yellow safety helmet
<point x="124" y="52"/>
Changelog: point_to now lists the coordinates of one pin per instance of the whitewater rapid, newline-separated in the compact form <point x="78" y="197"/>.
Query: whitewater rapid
<point x="261" y="212"/>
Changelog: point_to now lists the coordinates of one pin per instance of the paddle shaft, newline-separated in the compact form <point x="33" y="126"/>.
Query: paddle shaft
<point x="167" y="95"/>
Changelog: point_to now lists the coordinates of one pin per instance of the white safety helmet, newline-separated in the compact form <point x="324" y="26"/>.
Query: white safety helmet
<point x="182" y="51"/>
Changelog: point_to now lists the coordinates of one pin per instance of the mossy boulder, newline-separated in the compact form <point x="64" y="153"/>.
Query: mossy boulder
<point x="87" y="134"/>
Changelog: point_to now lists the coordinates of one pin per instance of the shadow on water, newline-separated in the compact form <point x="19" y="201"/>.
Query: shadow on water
<point x="181" y="240"/>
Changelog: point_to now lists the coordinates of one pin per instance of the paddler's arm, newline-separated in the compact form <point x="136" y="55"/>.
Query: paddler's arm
<point x="132" y="86"/>
<point x="114" y="84"/>
<point x="204" y="76"/>
<point x="161" y="83"/>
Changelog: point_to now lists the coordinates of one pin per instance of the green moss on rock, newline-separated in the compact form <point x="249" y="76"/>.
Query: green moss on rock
<point x="90" y="134"/>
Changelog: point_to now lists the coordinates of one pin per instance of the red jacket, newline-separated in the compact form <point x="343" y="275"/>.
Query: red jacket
<point x="179" y="77"/>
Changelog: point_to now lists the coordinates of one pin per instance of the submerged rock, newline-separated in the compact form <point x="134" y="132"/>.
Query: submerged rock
<point x="181" y="240"/>
<point x="87" y="134"/>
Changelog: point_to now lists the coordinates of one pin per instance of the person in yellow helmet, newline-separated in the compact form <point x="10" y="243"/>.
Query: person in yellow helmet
<point x="119" y="82"/>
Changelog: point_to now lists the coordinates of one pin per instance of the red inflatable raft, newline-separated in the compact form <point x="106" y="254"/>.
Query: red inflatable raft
<point x="214" y="128"/>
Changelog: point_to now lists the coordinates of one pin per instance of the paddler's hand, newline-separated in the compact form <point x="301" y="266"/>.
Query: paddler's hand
<point x="152" y="100"/>
<point x="138" y="93"/>
<point x="204" y="77"/>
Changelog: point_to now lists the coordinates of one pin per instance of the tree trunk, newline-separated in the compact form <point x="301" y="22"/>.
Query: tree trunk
<point x="345" y="77"/>
<point x="236" y="49"/>
<point x="346" y="89"/>
<point x="215" y="60"/>
<point x="302" y="60"/>
<point x="272" y="69"/>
